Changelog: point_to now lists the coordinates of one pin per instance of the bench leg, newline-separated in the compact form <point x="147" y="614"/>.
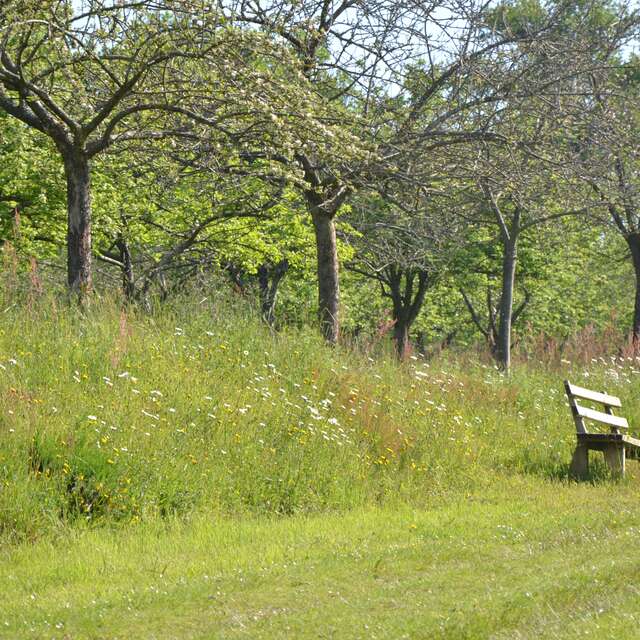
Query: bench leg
<point x="579" y="467"/>
<point x="614" y="455"/>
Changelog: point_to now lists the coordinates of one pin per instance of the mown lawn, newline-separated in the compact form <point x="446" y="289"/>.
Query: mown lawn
<point x="529" y="559"/>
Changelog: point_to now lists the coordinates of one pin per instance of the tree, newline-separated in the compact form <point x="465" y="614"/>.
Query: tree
<point x="605" y="147"/>
<point x="95" y="73"/>
<point x="405" y="242"/>
<point x="523" y="178"/>
<point x="520" y="184"/>
<point x="357" y="55"/>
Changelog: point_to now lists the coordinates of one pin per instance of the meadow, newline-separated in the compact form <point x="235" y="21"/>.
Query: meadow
<point x="189" y="473"/>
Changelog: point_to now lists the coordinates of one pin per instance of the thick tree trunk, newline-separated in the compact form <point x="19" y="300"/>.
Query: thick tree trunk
<point x="328" y="275"/>
<point x="401" y="336"/>
<point x="633" y="241"/>
<point x="509" y="260"/>
<point x="77" y="171"/>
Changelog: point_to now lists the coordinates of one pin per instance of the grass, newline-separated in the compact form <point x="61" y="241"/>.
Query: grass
<point x="188" y="474"/>
<point x="549" y="563"/>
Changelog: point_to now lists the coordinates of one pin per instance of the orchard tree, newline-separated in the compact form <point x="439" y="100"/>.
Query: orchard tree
<point x="87" y="75"/>
<point x="405" y="241"/>
<point x="606" y="152"/>
<point x="519" y="184"/>
<point x="166" y="216"/>
<point x="356" y="56"/>
<point x="570" y="90"/>
<point x="518" y="170"/>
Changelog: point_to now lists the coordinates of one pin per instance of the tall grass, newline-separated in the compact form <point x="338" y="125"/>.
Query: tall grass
<point x="110" y="416"/>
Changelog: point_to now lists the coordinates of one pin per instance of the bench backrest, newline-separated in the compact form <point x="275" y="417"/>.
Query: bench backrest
<point x="580" y="413"/>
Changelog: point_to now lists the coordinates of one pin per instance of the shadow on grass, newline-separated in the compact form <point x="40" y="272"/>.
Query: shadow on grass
<point x="555" y="468"/>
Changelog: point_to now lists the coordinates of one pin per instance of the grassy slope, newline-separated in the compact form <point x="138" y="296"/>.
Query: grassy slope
<point x="146" y="465"/>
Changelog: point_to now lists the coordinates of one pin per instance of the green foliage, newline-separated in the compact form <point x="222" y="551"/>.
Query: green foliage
<point x="32" y="191"/>
<point x="524" y="17"/>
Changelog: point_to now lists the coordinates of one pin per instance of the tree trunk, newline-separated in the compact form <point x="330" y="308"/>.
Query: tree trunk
<point x="78" y="175"/>
<point x="269" y="281"/>
<point x="506" y="303"/>
<point x="128" y="283"/>
<point x="633" y="241"/>
<point x="328" y="275"/>
<point x="401" y="336"/>
<point x="407" y="302"/>
<point x="265" y="303"/>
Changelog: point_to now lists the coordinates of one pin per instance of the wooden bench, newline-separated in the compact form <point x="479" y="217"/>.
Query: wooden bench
<point x="616" y="446"/>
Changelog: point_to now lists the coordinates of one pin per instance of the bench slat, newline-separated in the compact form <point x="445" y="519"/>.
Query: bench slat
<point x="605" y="438"/>
<point x="604" y="418"/>
<point x="632" y="441"/>
<point x="594" y="396"/>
